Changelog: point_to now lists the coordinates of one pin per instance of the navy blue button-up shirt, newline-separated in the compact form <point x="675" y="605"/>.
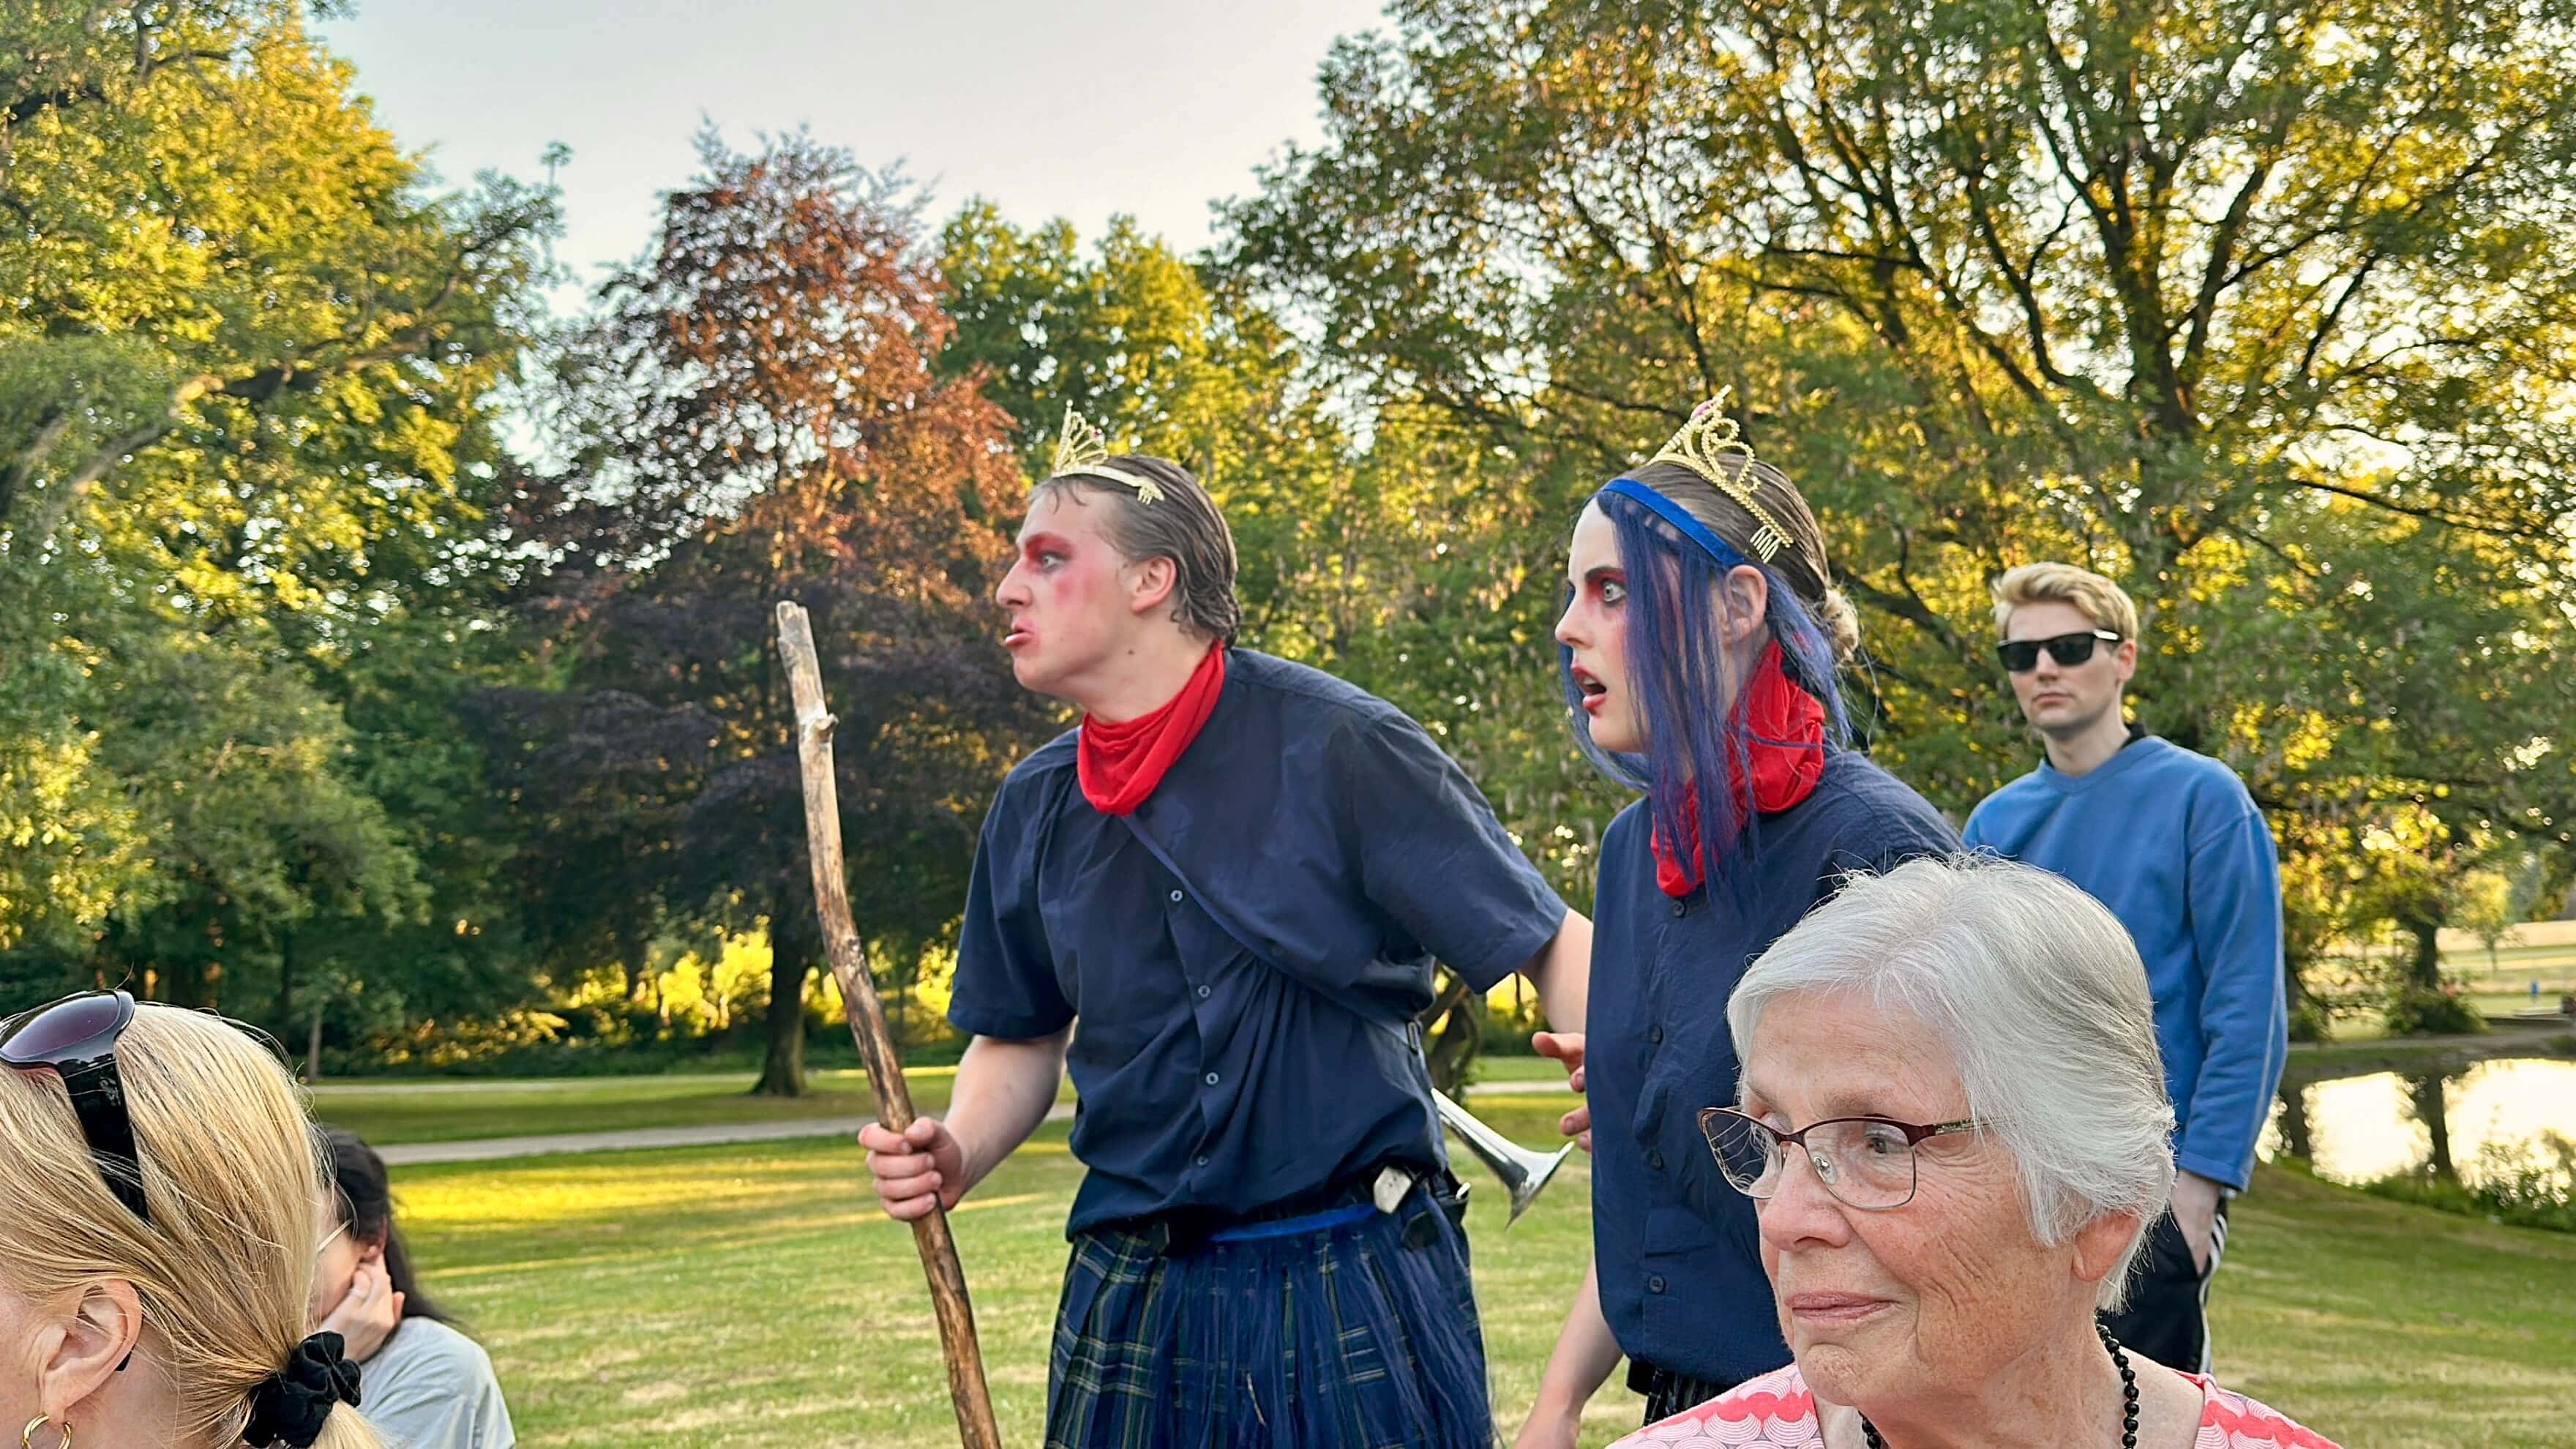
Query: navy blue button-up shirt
<point x="1680" y="1266"/>
<point x="1247" y="951"/>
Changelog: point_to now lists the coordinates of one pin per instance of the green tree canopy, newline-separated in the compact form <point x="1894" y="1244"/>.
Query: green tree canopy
<point x="2246" y="305"/>
<point x="247" y="362"/>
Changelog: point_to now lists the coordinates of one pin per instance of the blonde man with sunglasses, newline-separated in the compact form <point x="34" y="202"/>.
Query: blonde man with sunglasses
<point x="2172" y="842"/>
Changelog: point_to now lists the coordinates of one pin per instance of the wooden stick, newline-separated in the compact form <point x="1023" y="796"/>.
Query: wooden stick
<point x="976" y="1428"/>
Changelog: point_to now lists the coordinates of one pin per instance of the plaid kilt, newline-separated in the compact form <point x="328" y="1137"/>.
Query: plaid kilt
<point x="1340" y="1338"/>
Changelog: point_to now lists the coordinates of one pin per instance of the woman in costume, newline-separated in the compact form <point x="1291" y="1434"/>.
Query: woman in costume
<point x="1953" y="1128"/>
<point x="1236" y="874"/>
<point x="1700" y="648"/>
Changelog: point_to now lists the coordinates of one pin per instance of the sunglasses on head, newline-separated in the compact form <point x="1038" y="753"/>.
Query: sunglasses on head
<point x="2020" y="656"/>
<point x="75" y="1039"/>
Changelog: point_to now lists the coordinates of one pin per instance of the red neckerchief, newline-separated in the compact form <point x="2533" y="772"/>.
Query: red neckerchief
<point x="1784" y="744"/>
<point x="1120" y="764"/>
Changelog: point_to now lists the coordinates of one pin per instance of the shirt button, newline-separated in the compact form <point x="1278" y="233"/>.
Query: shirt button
<point x="1203" y="992"/>
<point x="1202" y="1162"/>
<point x="1655" y="1160"/>
<point x="1176" y="898"/>
<point x="1655" y="1284"/>
<point x="1679" y="907"/>
<point x="1211" y="1079"/>
<point x="1655" y="1035"/>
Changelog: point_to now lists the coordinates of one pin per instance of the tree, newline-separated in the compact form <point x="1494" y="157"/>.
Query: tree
<point x="244" y="419"/>
<point x="2486" y="909"/>
<point x="2244" y="306"/>
<point x="759" y="416"/>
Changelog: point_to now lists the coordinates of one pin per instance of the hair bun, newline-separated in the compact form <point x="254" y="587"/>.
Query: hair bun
<point x="1841" y="623"/>
<point x="290" y="1406"/>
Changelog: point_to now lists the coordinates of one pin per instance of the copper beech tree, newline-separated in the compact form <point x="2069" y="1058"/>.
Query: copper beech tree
<point x="752" y="415"/>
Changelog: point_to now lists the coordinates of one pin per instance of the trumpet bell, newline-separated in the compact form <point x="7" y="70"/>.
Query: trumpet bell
<point x="1525" y="1173"/>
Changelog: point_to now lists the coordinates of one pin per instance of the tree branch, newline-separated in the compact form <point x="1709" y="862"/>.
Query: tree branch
<point x="60" y="497"/>
<point x="2424" y="511"/>
<point x="58" y="421"/>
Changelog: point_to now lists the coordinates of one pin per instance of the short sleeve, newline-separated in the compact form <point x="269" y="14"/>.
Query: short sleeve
<point x="1006" y="983"/>
<point x="1432" y="856"/>
<point x="437" y="1394"/>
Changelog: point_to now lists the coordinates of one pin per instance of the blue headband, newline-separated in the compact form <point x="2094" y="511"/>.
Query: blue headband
<point x="1679" y="517"/>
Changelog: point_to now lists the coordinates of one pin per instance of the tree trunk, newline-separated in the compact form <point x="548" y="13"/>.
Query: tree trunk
<point x="1448" y="1055"/>
<point x="313" y="1048"/>
<point x="636" y="956"/>
<point x="285" y="982"/>
<point x="194" y="981"/>
<point x="2296" y="1139"/>
<point x="2425" y="1091"/>
<point x="2424" y="964"/>
<point x="782" y="1066"/>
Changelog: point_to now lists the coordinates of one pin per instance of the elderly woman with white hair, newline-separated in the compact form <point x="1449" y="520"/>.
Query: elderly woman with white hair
<point x="1952" y="1121"/>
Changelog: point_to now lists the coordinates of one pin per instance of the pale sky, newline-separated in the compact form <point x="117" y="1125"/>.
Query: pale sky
<point x="1081" y="110"/>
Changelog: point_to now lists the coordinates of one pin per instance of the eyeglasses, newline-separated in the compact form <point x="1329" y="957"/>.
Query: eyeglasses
<point x="1865" y="1162"/>
<point x="2021" y="656"/>
<point x="75" y="1039"/>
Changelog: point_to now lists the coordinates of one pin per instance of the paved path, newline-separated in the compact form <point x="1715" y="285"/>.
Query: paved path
<point x="492" y="1149"/>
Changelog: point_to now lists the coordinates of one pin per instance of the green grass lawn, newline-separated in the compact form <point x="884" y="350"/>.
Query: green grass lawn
<point x="1498" y="1069"/>
<point x="451" y="1111"/>
<point x="455" y="1111"/>
<point x="2541" y="961"/>
<point x="750" y="1296"/>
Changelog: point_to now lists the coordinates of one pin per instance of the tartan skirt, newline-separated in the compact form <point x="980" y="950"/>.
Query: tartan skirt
<point x="1343" y="1337"/>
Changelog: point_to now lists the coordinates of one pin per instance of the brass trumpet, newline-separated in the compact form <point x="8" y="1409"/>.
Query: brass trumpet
<point x="1525" y="1173"/>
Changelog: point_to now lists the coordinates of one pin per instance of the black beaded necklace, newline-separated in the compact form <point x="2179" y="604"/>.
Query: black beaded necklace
<point x="2128" y="1398"/>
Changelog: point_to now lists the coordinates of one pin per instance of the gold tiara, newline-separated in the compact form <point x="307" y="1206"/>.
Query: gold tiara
<point x="1082" y="451"/>
<point x="1703" y="441"/>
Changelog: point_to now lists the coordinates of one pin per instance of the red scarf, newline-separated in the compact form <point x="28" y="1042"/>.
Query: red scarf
<point x="1120" y="764"/>
<point x="1784" y="743"/>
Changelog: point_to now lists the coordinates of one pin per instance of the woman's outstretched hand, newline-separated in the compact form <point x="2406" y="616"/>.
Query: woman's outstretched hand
<point x="1567" y="1047"/>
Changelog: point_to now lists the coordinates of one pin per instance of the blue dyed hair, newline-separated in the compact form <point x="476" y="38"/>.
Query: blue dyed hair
<point x="1673" y="532"/>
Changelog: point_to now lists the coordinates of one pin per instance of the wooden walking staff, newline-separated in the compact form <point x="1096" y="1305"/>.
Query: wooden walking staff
<point x="975" y="1426"/>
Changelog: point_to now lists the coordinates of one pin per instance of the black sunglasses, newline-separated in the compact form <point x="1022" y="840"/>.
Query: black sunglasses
<point x="75" y="1039"/>
<point x="2020" y="656"/>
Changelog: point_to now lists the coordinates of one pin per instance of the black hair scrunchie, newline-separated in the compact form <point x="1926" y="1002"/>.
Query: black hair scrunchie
<point x="290" y="1405"/>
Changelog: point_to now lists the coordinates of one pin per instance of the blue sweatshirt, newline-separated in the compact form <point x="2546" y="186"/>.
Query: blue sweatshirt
<point x="2172" y="843"/>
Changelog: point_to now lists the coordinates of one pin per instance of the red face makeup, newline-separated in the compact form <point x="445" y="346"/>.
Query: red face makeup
<point x="1062" y="607"/>
<point x="1595" y="630"/>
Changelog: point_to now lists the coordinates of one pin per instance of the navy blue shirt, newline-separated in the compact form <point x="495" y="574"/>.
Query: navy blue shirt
<point x="1247" y="951"/>
<point x="1680" y="1267"/>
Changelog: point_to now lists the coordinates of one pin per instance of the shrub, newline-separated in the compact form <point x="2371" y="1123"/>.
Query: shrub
<point x="2414" y="1011"/>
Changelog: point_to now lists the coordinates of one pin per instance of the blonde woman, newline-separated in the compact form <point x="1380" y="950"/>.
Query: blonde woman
<point x="164" y="1193"/>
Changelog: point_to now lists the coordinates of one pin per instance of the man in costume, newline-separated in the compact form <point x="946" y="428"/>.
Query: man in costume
<point x="1701" y="644"/>
<point x="1235" y="875"/>
<point x="2172" y="842"/>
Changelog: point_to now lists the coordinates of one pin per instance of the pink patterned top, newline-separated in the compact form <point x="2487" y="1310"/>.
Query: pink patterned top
<point x="1776" y="1411"/>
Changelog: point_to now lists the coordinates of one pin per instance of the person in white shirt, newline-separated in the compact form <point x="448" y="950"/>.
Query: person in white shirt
<point x="425" y="1385"/>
